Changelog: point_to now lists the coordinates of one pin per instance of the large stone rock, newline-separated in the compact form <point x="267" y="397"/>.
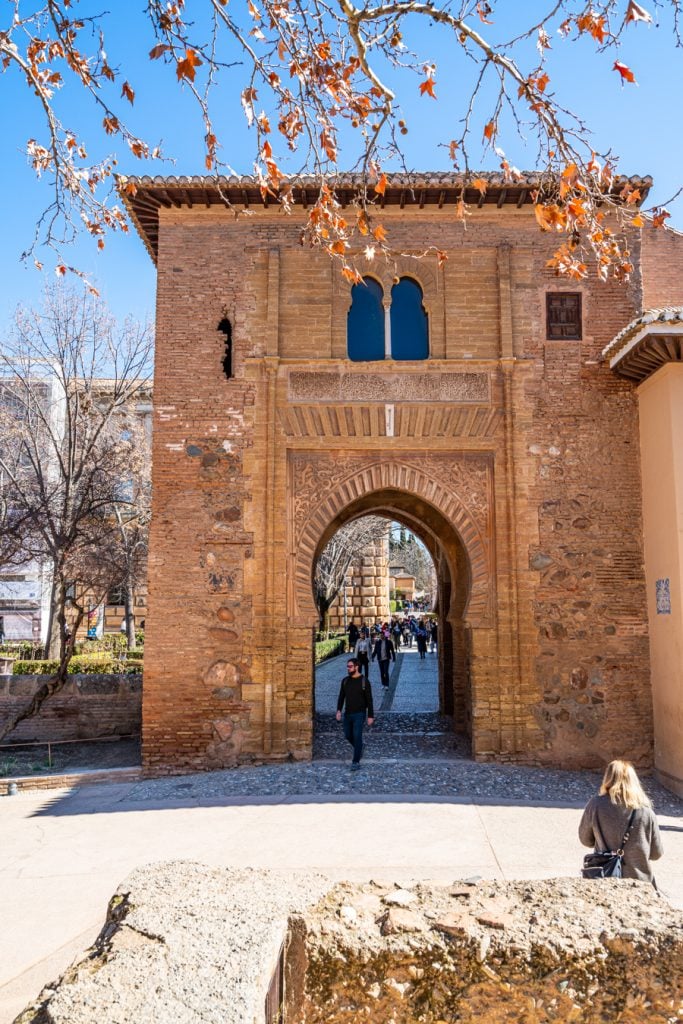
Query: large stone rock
<point x="183" y="943"/>
<point x="544" y="951"/>
<point x="190" y="944"/>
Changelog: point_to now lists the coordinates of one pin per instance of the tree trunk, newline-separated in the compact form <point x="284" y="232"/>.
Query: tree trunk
<point x="323" y="613"/>
<point x="52" y="632"/>
<point x="129" y="616"/>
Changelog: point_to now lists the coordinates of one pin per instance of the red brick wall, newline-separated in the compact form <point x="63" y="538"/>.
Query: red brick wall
<point x="662" y="268"/>
<point x="562" y="676"/>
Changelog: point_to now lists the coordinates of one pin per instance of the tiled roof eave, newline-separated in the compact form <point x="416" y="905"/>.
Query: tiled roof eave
<point x="649" y="321"/>
<point x="144" y="196"/>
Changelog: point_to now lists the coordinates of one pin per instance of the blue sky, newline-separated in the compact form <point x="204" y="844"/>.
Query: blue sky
<point x="640" y="123"/>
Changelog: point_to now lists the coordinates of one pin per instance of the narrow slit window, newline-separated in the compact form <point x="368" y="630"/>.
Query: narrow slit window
<point x="225" y="328"/>
<point x="409" y="324"/>
<point x="563" y="316"/>
<point x="365" y="322"/>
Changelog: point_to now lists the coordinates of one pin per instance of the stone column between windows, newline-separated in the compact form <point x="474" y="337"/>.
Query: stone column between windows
<point x="387" y="330"/>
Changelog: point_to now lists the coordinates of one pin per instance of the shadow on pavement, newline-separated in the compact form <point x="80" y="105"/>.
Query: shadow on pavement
<point x="322" y="782"/>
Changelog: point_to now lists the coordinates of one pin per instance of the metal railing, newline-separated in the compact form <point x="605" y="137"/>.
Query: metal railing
<point x="57" y="743"/>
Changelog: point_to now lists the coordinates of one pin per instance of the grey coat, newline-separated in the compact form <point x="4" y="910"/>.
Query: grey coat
<point x="602" y="817"/>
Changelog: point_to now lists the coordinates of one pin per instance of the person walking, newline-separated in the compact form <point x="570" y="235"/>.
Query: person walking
<point x="606" y="820"/>
<point x="422" y="640"/>
<point x="433" y="633"/>
<point x="354" y="633"/>
<point x="356" y="694"/>
<point x="384" y="653"/>
<point x="397" y="634"/>
<point x="363" y="652"/>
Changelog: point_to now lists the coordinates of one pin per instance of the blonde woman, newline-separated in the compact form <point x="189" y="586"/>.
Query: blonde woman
<point x="606" y="818"/>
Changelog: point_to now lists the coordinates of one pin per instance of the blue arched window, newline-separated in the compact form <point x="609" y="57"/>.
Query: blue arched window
<point x="409" y="330"/>
<point x="365" y="322"/>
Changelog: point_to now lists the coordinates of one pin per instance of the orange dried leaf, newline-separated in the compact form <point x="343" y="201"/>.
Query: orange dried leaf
<point x="489" y="130"/>
<point x="185" y="68"/>
<point x="351" y="274"/>
<point x="338" y="247"/>
<point x="158" y="51"/>
<point x="362" y="222"/>
<point x="428" y="87"/>
<point x="379" y="234"/>
<point x="381" y="186"/>
<point x="441" y="257"/>
<point x="637" y="221"/>
<point x="481" y="184"/>
<point x="127" y="92"/>
<point x="594" y="24"/>
<point x="625" y="72"/>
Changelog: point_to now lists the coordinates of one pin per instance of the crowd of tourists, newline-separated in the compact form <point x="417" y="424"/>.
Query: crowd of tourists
<point x="380" y="641"/>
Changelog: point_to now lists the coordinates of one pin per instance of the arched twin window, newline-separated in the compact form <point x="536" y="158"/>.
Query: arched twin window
<point x="404" y="334"/>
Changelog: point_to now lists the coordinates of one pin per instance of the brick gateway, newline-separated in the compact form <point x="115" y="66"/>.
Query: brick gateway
<point x="512" y="450"/>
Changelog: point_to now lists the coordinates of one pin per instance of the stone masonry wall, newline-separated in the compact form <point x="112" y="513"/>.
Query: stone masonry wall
<point x="557" y="662"/>
<point x="90" y="706"/>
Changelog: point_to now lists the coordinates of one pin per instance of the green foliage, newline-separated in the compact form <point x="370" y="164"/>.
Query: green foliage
<point x="114" y="643"/>
<point x="95" y="662"/>
<point x="24" y="649"/>
<point x="325" y="649"/>
<point x="394" y="606"/>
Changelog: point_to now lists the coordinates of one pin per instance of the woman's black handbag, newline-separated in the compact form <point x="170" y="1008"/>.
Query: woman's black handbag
<point x="608" y="863"/>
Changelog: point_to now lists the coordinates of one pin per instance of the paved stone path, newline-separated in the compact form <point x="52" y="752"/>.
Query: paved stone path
<point x="407" y="723"/>
<point x="64" y="853"/>
<point x="420" y="808"/>
<point x="414" y="684"/>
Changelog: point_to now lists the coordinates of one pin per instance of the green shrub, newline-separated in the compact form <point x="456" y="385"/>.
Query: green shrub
<point x="24" y="649"/>
<point x="325" y="649"/>
<point x="135" y="655"/>
<point x="114" y="643"/>
<point x="39" y="667"/>
<point x="89" y="664"/>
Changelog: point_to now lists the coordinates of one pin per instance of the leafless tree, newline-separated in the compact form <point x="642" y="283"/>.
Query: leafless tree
<point x="123" y="550"/>
<point x="70" y="377"/>
<point x="334" y="561"/>
<point x="409" y="552"/>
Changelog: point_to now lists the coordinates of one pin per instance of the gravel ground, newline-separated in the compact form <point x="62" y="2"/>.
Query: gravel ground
<point x="393" y="736"/>
<point x="457" y="779"/>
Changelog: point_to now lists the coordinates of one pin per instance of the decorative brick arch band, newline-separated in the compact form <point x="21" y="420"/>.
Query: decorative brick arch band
<point x="457" y="487"/>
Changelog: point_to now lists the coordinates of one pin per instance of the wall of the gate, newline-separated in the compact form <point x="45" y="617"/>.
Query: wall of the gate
<point x="559" y="656"/>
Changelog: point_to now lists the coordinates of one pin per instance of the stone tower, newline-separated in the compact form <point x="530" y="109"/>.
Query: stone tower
<point x="366" y="598"/>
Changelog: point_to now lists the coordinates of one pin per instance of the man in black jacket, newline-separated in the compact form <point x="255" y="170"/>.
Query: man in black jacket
<point x="355" y="692"/>
<point x="384" y="652"/>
